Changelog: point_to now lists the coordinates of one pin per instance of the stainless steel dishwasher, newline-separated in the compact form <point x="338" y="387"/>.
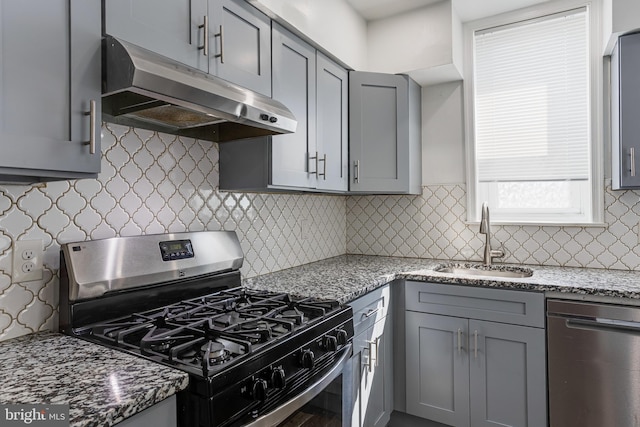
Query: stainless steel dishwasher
<point x="594" y="364"/>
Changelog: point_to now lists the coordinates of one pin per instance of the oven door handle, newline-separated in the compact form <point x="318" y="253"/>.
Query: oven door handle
<point x="282" y="412"/>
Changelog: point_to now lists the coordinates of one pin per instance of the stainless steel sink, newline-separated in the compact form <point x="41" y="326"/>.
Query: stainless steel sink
<point x="485" y="270"/>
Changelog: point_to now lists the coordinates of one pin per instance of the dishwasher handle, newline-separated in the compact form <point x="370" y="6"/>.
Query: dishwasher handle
<point x="600" y="324"/>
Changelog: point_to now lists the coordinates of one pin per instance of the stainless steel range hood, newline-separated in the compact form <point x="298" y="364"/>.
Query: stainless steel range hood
<point x="146" y="90"/>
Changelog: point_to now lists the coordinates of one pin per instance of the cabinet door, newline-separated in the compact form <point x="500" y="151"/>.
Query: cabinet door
<point x="625" y="109"/>
<point x="437" y="368"/>
<point x="45" y="89"/>
<point x="172" y="28"/>
<point x="294" y="82"/>
<point x="240" y="44"/>
<point x="508" y="375"/>
<point x="332" y="115"/>
<point x="376" y="384"/>
<point x="379" y="132"/>
<point x="373" y="375"/>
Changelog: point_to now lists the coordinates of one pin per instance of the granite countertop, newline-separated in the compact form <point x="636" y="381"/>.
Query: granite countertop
<point x="104" y="386"/>
<point x="346" y="277"/>
<point x="101" y="386"/>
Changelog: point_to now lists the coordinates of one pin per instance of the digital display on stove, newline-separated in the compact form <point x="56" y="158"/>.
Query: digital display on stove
<point x="176" y="249"/>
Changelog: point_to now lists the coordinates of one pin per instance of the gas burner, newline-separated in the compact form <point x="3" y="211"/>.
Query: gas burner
<point x="292" y="314"/>
<point x="214" y="353"/>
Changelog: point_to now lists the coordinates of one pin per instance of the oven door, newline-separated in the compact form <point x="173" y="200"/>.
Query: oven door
<point x="327" y="402"/>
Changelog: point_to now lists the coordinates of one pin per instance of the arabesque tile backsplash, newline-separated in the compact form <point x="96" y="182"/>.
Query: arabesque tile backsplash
<point x="433" y="225"/>
<point x="155" y="183"/>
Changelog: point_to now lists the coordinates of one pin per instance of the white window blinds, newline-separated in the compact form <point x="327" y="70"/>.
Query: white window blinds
<point x="532" y="100"/>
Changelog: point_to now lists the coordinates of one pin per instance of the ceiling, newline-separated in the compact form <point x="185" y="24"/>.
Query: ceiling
<point x="468" y="10"/>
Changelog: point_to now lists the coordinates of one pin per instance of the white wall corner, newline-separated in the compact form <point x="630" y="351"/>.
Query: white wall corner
<point x="419" y="43"/>
<point x="619" y="17"/>
<point x="333" y="25"/>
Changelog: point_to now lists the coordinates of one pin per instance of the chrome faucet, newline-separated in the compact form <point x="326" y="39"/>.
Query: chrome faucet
<point x="485" y="228"/>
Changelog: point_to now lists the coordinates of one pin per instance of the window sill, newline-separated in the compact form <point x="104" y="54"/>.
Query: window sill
<point x="543" y="224"/>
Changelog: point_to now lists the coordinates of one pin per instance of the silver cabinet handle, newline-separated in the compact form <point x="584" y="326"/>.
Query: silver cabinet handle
<point x="205" y="45"/>
<point x="316" y="161"/>
<point x="92" y="127"/>
<point x="475" y="344"/>
<point x="373" y="360"/>
<point x="459" y="340"/>
<point x="371" y="312"/>
<point x="356" y="171"/>
<point x="221" y="54"/>
<point x="632" y="154"/>
<point x="324" y="166"/>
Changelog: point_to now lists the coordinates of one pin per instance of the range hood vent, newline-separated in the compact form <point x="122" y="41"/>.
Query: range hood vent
<point x="146" y="90"/>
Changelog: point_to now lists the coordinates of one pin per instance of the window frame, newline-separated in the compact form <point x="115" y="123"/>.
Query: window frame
<point x="596" y="62"/>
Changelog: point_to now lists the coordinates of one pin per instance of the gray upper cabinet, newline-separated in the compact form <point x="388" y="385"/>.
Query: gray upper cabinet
<point x="241" y="40"/>
<point x="385" y="133"/>
<point x="470" y="368"/>
<point x="172" y="28"/>
<point x="294" y="83"/>
<point x="332" y="130"/>
<point x="625" y="109"/>
<point x="226" y="38"/>
<point x="49" y="74"/>
<point x="314" y="158"/>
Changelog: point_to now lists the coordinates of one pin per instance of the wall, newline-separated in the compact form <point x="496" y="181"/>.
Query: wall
<point x="153" y="183"/>
<point x="425" y="43"/>
<point x="332" y="24"/>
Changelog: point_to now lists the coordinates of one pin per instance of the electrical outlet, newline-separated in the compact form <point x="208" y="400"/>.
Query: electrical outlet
<point x="27" y="260"/>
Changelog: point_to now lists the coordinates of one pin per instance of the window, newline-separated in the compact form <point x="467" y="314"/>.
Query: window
<point x="532" y="122"/>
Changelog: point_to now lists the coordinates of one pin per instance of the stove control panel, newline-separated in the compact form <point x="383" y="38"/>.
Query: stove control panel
<point x="172" y="250"/>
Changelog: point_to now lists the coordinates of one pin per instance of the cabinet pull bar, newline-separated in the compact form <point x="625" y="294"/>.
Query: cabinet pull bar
<point x="205" y="44"/>
<point x="377" y="350"/>
<point x="373" y="361"/>
<point x="371" y="312"/>
<point x="632" y="154"/>
<point x="316" y="161"/>
<point x="92" y="127"/>
<point x="221" y="54"/>
<point x="475" y="344"/>
<point x="459" y="340"/>
<point x="324" y="166"/>
<point x="356" y="171"/>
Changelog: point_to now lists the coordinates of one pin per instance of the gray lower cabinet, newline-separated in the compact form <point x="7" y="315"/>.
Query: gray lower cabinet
<point x="227" y="38"/>
<point x="162" y="414"/>
<point x="625" y="108"/>
<point x="372" y="360"/>
<point x="472" y="370"/>
<point x="385" y="133"/>
<point x="314" y="157"/>
<point x="50" y="71"/>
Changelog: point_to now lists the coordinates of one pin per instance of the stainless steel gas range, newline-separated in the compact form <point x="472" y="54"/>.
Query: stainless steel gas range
<point x="254" y="358"/>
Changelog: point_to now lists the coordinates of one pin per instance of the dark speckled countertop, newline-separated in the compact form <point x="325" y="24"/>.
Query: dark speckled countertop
<point x="101" y="386"/>
<point x="347" y="277"/>
<point x="104" y="386"/>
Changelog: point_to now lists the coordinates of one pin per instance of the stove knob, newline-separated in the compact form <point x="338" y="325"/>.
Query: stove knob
<point x="259" y="390"/>
<point x="306" y="359"/>
<point x="342" y="337"/>
<point x="330" y="343"/>
<point x="278" y="378"/>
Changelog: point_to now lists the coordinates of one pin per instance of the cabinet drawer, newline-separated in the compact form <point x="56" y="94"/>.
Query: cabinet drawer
<point x="498" y="305"/>
<point x="370" y="308"/>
